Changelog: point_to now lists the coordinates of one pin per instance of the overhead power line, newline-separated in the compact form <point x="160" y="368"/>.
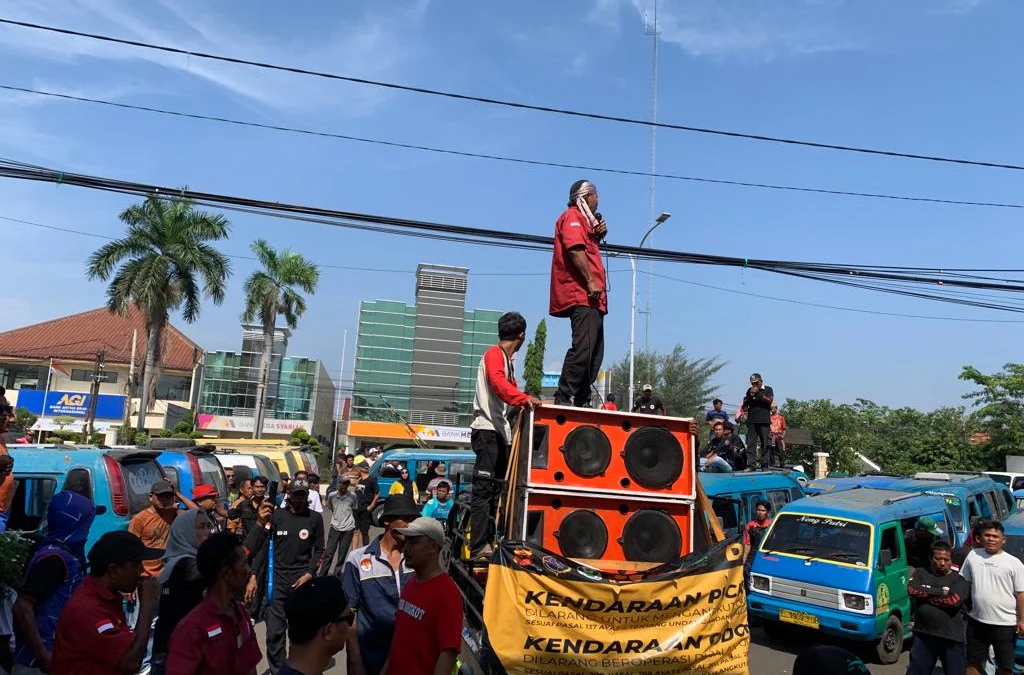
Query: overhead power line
<point x="660" y="276"/>
<point x="919" y="282"/>
<point x="510" y="104"/>
<point x="502" y="158"/>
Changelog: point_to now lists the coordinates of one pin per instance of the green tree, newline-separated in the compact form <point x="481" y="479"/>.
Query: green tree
<point x="271" y="291"/>
<point x="167" y="263"/>
<point x="301" y="437"/>
<point x="999" y="411"/>
<point x="533" y="368"/>
<point x="24" y="419"/>
<point x="683" y="384"/>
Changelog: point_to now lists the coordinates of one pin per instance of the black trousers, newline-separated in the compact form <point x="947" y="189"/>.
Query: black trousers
<point x="337" y="542"/>
<point x="758" y="433"/>
<point x="583" y="360"/>
<point x="488" y="478"/>
<point x="927" y="649"/>
<point x="277" y="623"/>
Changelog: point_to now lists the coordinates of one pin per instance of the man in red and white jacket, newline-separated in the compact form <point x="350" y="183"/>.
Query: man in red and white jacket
<point x="491" y="437"/>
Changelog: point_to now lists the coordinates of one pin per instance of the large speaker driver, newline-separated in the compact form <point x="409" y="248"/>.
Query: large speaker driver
<point x="651" y="536"/>
<point x="653" y="457"/>
<point x="588" y="452"/>
<point x="582" y="534"/>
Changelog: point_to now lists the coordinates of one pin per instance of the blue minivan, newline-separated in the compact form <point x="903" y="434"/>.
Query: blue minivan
<point x="188" y="466"/>
<point x="118" y="482"/>
<point x="969" y="496"/>
<point x="734" y="495"/>
<point x="458" y="469"/>
<point x="839" y="564"/>
<point x="839" y="483"/>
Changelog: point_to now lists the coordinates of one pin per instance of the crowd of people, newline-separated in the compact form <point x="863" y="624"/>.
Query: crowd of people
<point x="181" y="591"/>
<point x="765" y="445"/>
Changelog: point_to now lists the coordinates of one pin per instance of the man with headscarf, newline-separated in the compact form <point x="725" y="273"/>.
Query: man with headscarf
<point x="54" y="572"/>
<point x="578" y="291"/>
<point x="181" y="585"/>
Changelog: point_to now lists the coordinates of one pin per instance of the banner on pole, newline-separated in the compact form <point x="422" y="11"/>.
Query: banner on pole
<point x="548" y="615"/>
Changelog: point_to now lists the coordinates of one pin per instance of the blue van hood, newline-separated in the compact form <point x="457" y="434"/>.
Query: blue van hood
<point x="815" y="571"/>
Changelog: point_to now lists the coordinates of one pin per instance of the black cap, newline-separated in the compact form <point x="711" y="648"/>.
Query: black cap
<point x="399" y="507"/>
<point x="828" y="659"/>
<point x="756" y="377"/>
<point x="313" y="605"/>
<point x="120" y="546"/>
<point x="162" y="487"/>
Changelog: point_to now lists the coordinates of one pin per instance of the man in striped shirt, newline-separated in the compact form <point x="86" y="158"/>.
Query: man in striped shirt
<point x="491" y="437"/>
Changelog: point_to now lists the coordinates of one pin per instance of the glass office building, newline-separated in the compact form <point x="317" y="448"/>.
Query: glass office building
<point x="422" y="358"/>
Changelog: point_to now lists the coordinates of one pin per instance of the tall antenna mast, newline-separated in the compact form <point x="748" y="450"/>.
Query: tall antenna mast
<point x="651" y="28"/>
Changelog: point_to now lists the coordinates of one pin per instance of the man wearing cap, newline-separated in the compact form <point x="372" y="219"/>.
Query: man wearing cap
<point x="578" y="291"/>
<point x="367" y="496"/>
<point x="319" y="620"/>
<point x="217" y="636"/>
<point x="374" y="577"/>
<point x="343" y="505"/>
<point x="919" y="540"/>
<point x="298" y="536"/>
<point x="153" y="524"/>
<point x="207" y="499"/>
<point x="757" y="408"/>
<point x="648" y="403"/>
<point x="428" y="625"/>
<point x="92" y="637"/>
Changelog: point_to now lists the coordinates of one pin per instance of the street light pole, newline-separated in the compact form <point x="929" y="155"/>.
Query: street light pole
<point x="632" y="305"/>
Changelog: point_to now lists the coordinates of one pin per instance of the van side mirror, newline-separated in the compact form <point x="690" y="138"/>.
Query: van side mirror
<point x="100" y="509"/>
<point x="885" y="558"/>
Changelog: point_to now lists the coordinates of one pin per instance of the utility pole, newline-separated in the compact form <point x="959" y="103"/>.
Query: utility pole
<point x="652" y="30"/>
<point x="94" y="392"/>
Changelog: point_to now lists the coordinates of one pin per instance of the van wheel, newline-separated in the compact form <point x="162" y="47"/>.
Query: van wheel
<point x="890" y="646"/>
<point x="378" y="511"/>
<point x="775" y="631"/>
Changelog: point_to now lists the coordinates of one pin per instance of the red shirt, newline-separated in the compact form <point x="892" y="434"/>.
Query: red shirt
<point x="754" y="525"/>
<point x="91" y="634"/>
<point x="428" y="622"/>
<point x="208" y="641"/>
<point x="568" y="289"/>
<point x="608" y="405"/>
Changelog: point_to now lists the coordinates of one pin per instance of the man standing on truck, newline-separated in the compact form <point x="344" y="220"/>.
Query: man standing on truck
<point x="756" y="408"/>
<point x="939" y="596"/>
<point x="491" y="435"/>
<point x="578" y="291"/>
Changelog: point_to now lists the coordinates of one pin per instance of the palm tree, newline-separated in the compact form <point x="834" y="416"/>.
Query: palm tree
<point x="270" y="292"/>
<point x="166" y="256"/>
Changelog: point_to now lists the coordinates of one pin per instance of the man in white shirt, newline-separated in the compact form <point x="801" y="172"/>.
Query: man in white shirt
<point x="996" y="617"/>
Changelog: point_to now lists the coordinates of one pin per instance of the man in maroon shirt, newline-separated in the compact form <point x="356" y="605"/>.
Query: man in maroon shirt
<point x="217" y="637"/>
<point x="578" y="291"/>
<point x="428" y="623"/>
<point x="92" y="637"/>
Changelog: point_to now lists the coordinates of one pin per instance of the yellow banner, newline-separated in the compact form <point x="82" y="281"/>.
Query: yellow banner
<point x="546" y="615"/>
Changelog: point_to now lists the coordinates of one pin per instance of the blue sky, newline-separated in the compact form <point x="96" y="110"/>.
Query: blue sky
<point x="930" y="76"/>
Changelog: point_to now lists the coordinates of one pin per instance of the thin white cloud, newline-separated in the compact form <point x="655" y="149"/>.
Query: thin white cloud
<point x="741" y="27"/>
<point x="960" y="6"/>
<point x="374" y="46"/>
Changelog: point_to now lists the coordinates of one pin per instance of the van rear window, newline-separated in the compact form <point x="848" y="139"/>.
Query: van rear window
<point x="212" y="474"/>
<point x="139" y="476"/>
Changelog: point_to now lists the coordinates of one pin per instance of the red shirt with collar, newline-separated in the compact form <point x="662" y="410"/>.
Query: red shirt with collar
<point x="568" y="289"/>
<point x="91" y="635"/>
<point x="209" y="641"/>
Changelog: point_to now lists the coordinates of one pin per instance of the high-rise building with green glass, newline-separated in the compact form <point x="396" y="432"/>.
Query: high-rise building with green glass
<point x="422" y="359"/>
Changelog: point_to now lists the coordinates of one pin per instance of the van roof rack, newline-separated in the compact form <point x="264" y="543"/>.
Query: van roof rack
<point x="944" y="475"/>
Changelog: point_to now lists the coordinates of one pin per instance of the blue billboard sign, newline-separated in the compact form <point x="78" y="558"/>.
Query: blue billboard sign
<point x="72" y="403"/>
<point x="549" y="380"/>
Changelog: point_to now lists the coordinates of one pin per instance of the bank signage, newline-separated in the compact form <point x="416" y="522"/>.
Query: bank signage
<point x="208" y="422"/>
<point x="71" y="403"/>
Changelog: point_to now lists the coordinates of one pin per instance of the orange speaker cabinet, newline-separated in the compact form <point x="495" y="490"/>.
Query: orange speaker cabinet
<point x="584" y="526"/>
<point x="608" y="452"/>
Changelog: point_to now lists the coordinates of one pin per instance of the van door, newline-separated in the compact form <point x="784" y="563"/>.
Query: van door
<point x="891" y="582"/>
<point x="777" y="498"/>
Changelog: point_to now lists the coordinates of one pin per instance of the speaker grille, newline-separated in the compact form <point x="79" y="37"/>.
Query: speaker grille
<point x="588" y="452"/>
<point x="582" y="534"/>
<point x="651" y="536"/>
<point x="653" y="457"/>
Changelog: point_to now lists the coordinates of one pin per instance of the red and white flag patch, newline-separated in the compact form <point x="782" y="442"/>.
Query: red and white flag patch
<point x="213" y="631"/>
<point x="104" y="625"/>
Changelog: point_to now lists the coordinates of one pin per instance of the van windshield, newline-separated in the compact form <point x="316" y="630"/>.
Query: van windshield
<point x="1015" y="546"/>
<point x="819" y="537"/>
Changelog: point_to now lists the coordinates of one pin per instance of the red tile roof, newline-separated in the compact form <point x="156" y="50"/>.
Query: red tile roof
<point x="78" y="337"/>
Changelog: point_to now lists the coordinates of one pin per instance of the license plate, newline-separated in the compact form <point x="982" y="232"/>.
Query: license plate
<point x="798" y="618"/>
